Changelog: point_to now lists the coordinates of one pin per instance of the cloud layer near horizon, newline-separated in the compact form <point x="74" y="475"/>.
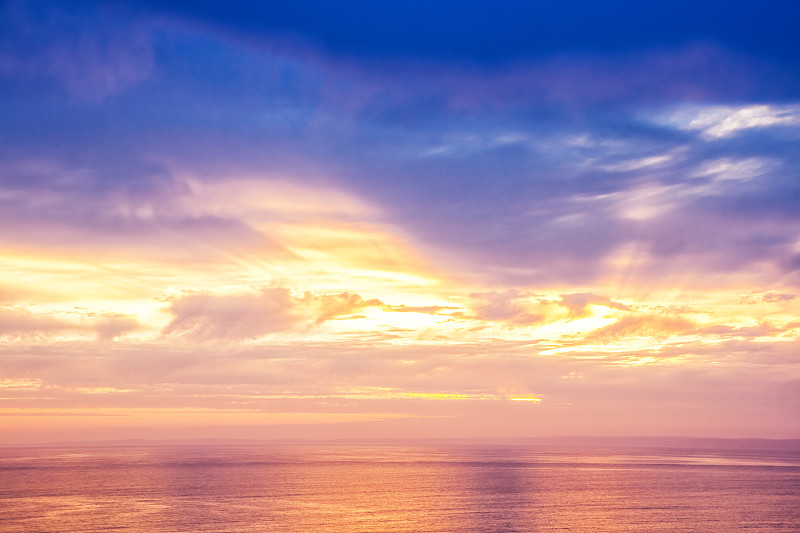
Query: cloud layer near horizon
<point x="215" y="211"/>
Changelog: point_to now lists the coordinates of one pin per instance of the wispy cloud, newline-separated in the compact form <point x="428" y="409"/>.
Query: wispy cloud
<point x="717" y="121"/>
<point x="89" y="53"/>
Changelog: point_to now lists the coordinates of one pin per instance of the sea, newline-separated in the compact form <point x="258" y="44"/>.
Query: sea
<point x="343" y="488"/>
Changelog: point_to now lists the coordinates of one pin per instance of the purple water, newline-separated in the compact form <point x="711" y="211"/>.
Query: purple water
<point x="359" y="488"/>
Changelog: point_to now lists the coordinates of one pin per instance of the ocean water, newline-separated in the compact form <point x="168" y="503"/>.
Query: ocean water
<point x="360" y="488"/>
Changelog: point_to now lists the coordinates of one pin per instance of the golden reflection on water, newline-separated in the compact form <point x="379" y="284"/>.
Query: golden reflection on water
<point x="392" y="488"/>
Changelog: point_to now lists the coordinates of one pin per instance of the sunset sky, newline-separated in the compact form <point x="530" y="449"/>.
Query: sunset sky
<point x="399" y="219"/>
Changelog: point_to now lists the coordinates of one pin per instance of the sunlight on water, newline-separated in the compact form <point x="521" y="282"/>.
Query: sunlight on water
<point x="391" y="488"/>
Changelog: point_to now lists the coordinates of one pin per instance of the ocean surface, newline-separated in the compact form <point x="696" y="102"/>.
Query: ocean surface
<point x="361" y="488"/>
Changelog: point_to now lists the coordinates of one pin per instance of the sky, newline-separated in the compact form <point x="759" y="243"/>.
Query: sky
<point x="468" y="219"/>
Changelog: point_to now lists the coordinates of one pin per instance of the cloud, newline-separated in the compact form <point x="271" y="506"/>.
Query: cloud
<point x="10" y="294"/>
<point x="772" y="297"/>
<point x="198" y="156"/>
<point x="329" y="306"/>
<point x="253" y="315"/>
<point x="90" y="53"/>
<point x="578" y="303"/>
<point x="763" y="330"/>
<point x="655" y="326"/>
<point x="425" y="309"/>
<point x="18" y="323"/>
<point x="496" y="191"/>
<point x="512" y="306"/>
<point x="727" y="168"/>
<point x="418" y="379"/>
<point x="239" y="316"/>
<point x="111" y="326"/>
<point x="716" y="122"/>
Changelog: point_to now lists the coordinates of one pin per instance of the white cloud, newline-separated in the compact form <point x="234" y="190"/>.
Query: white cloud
<point x="643" y="162"/>
<point x="715" y="122"/>
<point x="732" y="169"/>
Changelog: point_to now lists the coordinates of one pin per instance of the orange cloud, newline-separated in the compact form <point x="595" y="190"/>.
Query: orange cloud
<point x="111" y="326"/>
<point x="242" y="316"/>
<point x="425" y="309"/>
<point x="329" y="306"/>
<point x="19" y="323"/>
<point x="253" y="315"/>
<point x="507" y="306"/>
<point x="772" y="297"/>
<point x="655" y="326"/>
<point x="578" y="303"/>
